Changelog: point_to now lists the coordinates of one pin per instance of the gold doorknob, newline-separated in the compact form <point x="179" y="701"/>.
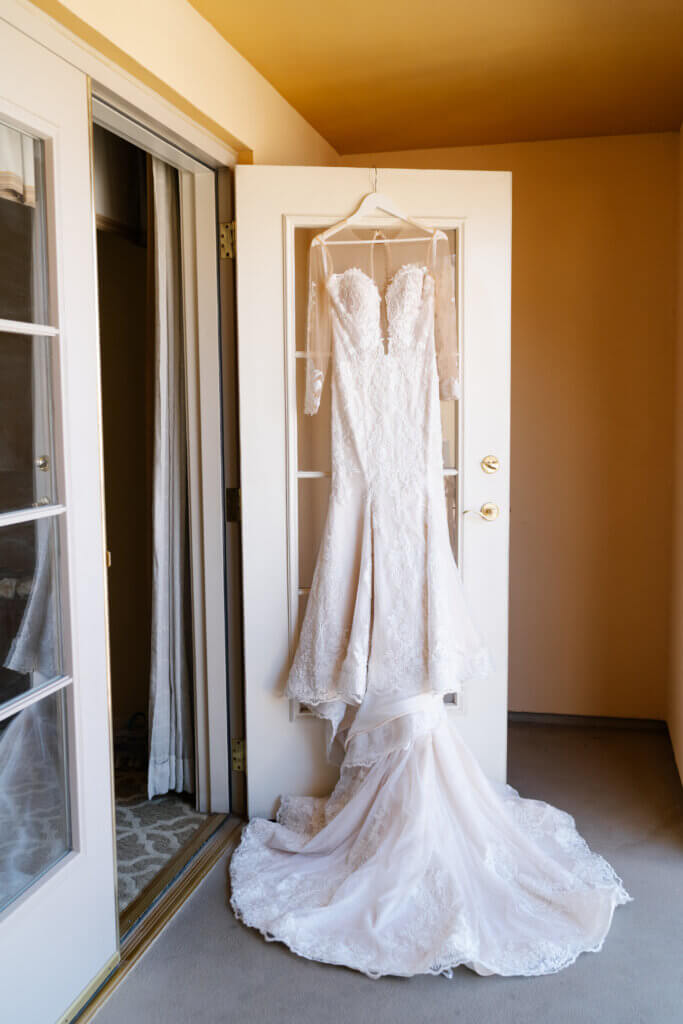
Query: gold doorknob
<point x="490" y="463"/>
<point x="42" y="462"/>
<point x="488" y="511"/>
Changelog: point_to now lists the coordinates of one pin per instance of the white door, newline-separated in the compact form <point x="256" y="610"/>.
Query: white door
<point x="58" y="917"/>
<point x="285" y="458"/>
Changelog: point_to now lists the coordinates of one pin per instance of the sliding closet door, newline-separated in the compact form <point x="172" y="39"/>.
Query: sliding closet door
<point x="285" y="455"/>
<point x="58" y="920"/>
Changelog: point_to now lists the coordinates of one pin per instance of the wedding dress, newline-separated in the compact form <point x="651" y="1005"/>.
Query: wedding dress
<point x="417" y="862"/>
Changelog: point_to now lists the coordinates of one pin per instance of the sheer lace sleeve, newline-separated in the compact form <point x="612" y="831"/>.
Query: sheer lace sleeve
<point x="445" y="321"/>
<point x="318" y="329"/>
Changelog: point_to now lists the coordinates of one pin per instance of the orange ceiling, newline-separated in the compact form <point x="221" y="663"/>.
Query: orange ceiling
<point x="404" y="74"/>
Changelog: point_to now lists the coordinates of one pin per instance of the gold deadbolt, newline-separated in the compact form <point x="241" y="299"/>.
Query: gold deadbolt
<point x="42" y="462"/>
<point x="490" y="463"/>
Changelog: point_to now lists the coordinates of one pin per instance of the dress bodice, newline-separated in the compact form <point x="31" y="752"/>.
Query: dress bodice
<point x="346" y="302"/>
<point x="373" y="319"/>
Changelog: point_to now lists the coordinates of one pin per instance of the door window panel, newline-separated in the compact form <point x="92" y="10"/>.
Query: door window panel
<point x="23" y="263"/>
<point x="26" y="446"/>
<point x="450" y="486"/>
<point x="313" y="432"/>
<point x="314" y="496"/>
<point x="449" y="434"/>
<point x="30" y="627"/>
<point x="35" y="829"/>
<point x="450" y="431"/>
<point x="35" y="823"/>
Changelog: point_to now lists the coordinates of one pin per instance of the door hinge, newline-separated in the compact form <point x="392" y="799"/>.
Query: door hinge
<point x="239" y="754"/>
<point x="233" y="505"/>
<point x="227" y="239"/>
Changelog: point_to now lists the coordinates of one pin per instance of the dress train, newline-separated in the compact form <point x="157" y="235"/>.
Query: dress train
<point x="418" y="863"/>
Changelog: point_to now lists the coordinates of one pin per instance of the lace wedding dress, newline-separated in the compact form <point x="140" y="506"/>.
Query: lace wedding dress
<point x="417" y="862"/>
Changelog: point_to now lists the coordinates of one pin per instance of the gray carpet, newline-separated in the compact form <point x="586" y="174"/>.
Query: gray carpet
<point x="622" y="787"/>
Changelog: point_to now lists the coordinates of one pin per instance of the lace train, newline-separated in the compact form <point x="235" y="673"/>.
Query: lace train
<point x="418" y="864"/>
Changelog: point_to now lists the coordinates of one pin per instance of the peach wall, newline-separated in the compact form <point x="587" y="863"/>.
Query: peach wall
<point x="170" y="47"/>
<point x="593" y="326"/>
<point x="675" y="715"/>
<point x="593" y="353"/>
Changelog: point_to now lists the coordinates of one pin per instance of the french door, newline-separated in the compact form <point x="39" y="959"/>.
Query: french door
<point x="58" y="917"/>
<point x="285" y="456"/>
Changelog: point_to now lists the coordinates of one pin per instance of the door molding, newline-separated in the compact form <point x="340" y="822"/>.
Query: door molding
<point x="119" y="87"/>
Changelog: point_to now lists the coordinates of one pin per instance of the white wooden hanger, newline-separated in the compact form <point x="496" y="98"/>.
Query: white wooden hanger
<point x="371" y="203"/>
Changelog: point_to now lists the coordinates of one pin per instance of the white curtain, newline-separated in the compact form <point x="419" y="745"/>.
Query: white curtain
<point x="17" y="172"/>
<point x="171" y="742"/>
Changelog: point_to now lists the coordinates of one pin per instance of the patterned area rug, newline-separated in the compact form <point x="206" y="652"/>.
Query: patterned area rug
<point x="148" y="832"/>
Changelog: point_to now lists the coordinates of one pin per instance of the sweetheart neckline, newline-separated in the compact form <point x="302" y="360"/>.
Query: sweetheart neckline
<point x="381" y="295"/>
<point x="386" y="340"/>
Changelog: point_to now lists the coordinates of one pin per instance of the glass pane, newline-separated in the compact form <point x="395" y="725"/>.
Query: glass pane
<point x="450" y="484"/>
<point x="302" y="601"/>
<point x="30" y="647"/>
<point x="449" y="434"/>
<point x="314" y="495"/>
<point x="302" y="241"/>
<point x="26" y="451"/>
<point x="303" y="709"/>
<point x="452" y="235"/>
<point x="313" y="432"/>
<point x="35" y="828"/>
<point x="23" y="261"/>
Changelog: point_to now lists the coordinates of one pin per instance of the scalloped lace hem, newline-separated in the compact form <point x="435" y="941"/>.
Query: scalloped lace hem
<point x="445" y="970"/>
<point x="451" y="673"/>
<point x="339" y="708"/>
<point x="418" y="864"/>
